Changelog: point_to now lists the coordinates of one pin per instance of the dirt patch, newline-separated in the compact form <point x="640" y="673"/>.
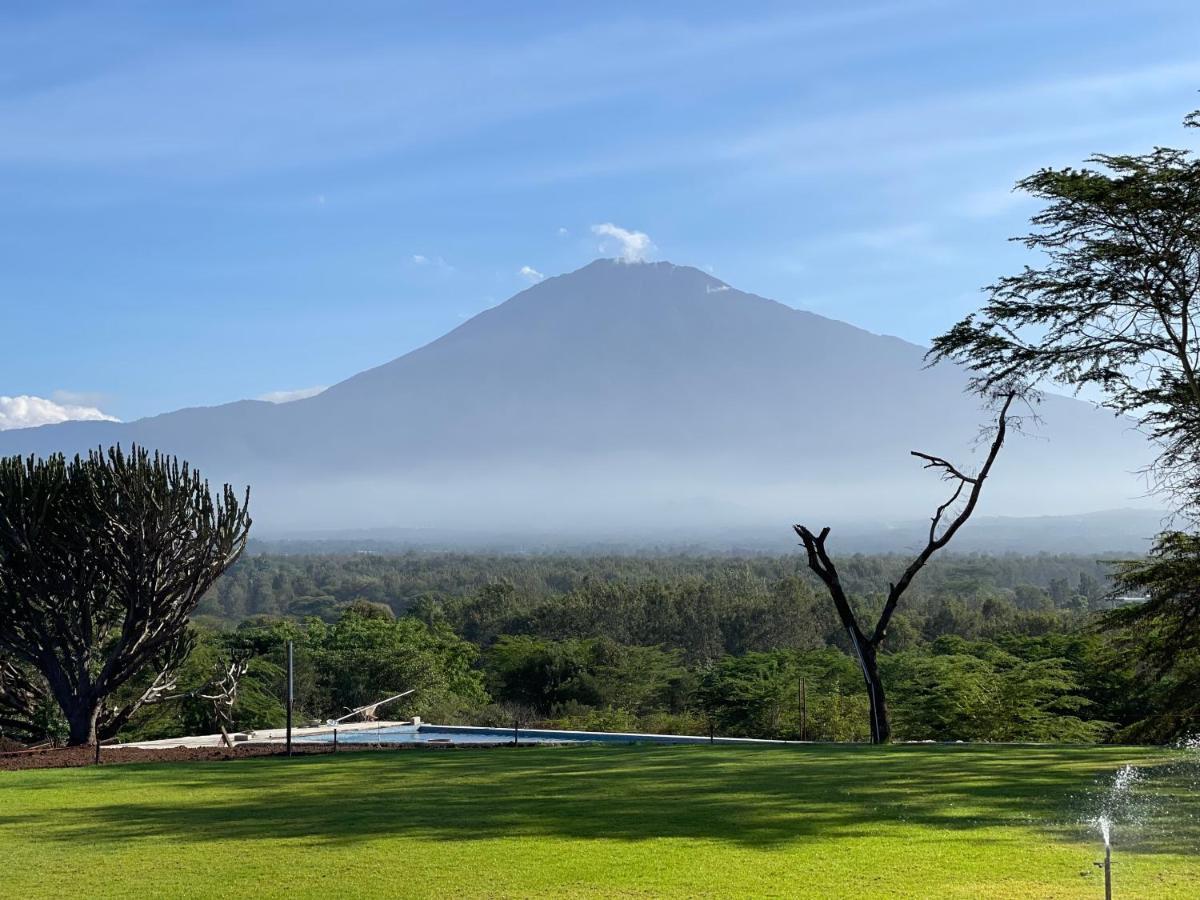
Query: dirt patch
<point x="70" y="757"/>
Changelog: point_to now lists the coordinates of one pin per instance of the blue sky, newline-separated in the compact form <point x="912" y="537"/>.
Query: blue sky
<point x="206" y="202"/>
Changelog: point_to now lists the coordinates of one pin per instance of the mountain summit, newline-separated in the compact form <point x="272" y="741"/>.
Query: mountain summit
<point x="632" y="396"/>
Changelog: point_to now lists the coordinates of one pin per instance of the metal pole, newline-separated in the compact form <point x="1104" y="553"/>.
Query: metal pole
<point x="290" y="698"/>
<point x="1107" y="872"/>
<point x="516" y="732"/>
<point x="335" y="740"/>
<point x="803" y="712"/>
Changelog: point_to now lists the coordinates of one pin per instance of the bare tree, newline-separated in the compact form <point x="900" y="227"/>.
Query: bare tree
<point x="943" y="525"/>
<point x="222" y="692"/>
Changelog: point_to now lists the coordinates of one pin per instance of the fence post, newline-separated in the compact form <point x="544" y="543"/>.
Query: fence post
<point x="290" y="698"/>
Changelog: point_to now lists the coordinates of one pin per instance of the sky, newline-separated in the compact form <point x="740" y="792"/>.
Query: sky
<point x="201" y="203"/>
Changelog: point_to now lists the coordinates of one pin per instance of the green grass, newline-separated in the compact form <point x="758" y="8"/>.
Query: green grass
<point x="821" y="821"/>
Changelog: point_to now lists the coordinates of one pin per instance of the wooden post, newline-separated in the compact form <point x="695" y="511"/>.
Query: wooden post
<point x="97" y="751"/>
<point x="516" y="731"/>
<point x="335" y="740"/>
<point x="712" y="732"/>
<point x="290" y="698"/>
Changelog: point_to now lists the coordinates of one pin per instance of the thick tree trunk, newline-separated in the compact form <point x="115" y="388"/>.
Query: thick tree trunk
<point x="80" y="704"/>
<point x="82" y="721"/>
<point x="881" y="727"/>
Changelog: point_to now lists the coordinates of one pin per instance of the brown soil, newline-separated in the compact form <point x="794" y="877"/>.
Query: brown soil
<point x="68" y="757"/>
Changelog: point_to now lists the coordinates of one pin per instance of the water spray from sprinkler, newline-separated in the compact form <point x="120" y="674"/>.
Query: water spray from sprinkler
<point x="1116" y="804"/>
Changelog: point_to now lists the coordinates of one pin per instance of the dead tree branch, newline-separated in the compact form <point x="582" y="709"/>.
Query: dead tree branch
<point x="819" y="561"/>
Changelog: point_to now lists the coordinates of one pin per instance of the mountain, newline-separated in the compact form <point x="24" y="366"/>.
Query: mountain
<point x="626" y="398"/>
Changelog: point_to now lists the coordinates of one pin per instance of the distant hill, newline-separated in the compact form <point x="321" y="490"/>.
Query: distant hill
<point x="629" y="397"/>
<point x="1105" y="534"/>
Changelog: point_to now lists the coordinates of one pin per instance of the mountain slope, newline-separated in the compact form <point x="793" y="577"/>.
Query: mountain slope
<point x="633" y="395"/>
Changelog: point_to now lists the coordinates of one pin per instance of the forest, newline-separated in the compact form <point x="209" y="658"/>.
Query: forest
<point x="987" y="648"/>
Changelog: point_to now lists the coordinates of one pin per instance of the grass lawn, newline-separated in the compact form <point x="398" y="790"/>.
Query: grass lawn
<point x="820" y="821"/>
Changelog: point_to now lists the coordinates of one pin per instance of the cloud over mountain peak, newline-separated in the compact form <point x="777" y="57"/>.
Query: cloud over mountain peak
<point x="25" y="411"/>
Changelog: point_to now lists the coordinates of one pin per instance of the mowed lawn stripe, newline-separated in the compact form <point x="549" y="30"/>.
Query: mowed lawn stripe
<point x="591" y="821"/>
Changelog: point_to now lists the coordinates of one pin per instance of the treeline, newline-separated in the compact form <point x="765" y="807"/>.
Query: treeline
<point x="465" y="584"/>
<point x="989" y="648"/>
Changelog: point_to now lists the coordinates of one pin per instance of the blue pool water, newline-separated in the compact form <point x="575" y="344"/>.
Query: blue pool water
<point x="468" y="734"/>
<point x="438" y="734"/>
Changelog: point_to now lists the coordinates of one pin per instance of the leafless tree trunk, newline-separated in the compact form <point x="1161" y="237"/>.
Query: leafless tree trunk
<point x="866" y="647"/>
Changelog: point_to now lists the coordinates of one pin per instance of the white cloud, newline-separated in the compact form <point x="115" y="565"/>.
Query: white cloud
<point x="635" y="246"/>
<point x="27" y="412"/>
<point x="289" y="396"/>
<point x="531" y="273"/>
<point x="562" y="231"/>
<point x="419" y="259"/>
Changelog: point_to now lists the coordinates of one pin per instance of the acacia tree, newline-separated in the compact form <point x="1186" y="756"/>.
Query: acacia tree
<point x="944" y="524"/>
<point x="1113" y="308"/>
<point x="102" y="560"/>
<point x="1113" y="305"/>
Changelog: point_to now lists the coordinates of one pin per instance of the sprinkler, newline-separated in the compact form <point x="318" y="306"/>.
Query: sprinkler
<point x="1105" y="830"/>
<point x="1107" y="867"/>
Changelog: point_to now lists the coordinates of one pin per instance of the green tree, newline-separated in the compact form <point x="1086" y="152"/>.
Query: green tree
<point x="540" y="674"/>
<point x="766" y="694"/>
<point x="102" y="560"/>
<point x="1111" y="306"/>
<point x="750" y="694"/>
<point x="1161" y="632"/>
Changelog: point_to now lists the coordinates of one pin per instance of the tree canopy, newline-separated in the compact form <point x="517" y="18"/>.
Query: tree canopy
<point x="102" y="560"/>
<point x="1111" y="306"/>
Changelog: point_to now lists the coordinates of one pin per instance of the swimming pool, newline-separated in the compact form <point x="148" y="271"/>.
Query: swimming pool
<point x="428" y="734"/>
<point x="471" y="734"/>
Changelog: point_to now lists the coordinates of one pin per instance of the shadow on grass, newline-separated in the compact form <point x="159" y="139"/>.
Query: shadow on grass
<point x="758" y="798"/>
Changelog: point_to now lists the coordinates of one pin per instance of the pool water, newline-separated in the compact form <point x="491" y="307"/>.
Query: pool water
<point x="437" y="734"/>
<point x="469" y="734"/>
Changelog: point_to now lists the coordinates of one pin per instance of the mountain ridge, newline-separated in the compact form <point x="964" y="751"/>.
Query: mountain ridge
<point x="627" y="392"/>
